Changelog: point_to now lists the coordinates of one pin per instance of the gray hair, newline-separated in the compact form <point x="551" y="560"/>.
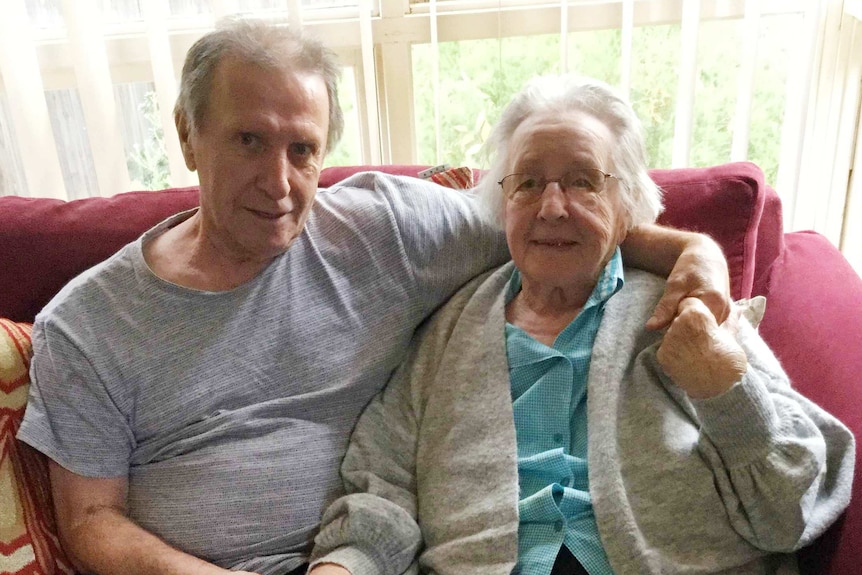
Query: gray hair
<point x="641" y="197"/>
<point x="264" y="44"/>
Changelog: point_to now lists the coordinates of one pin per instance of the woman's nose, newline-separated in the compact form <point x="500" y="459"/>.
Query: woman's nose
<point x="553" y="202"/>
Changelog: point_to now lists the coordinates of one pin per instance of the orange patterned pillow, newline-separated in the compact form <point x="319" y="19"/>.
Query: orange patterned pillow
<point x="28" y="540"/>
<point x="457" y="178"/>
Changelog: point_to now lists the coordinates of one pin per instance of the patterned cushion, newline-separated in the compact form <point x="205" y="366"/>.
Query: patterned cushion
<point x="28" y="541"/>
<point x="457" y="178"/>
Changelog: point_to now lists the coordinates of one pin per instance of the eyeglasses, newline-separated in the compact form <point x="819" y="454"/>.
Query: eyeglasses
<point x="528" y="188"/>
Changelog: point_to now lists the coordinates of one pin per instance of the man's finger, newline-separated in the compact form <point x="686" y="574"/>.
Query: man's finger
<point x="665" y="310"/>
<point x="718" y="304"/>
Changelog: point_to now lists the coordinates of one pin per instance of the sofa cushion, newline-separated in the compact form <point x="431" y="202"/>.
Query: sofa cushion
<point x="725" y="202"/>
<point x="28" y="541"/>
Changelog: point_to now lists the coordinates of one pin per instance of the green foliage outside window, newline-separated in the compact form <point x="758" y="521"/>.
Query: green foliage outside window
<point x="148" y="161"/>
<point x="473" y="88"/>
<point x="478" y="77"/>
<point x="347" y="152"/>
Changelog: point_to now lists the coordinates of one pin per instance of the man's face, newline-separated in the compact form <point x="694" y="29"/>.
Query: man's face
<point x="258" y="153"/>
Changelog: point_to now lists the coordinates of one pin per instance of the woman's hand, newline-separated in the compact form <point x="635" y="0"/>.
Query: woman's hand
<point x="701" y="356"/>
<point x="329" y="569"/>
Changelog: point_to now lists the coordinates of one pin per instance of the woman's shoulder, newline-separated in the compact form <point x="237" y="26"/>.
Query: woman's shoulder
<point x="635" y="302"/>
<point x="643" y="280"/>
<point x="470" y="308"/>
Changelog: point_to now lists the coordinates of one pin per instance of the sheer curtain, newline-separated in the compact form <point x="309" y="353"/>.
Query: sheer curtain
<point x="88" y="85"/>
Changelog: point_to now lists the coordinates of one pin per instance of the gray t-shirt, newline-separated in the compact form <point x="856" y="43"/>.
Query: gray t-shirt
<point x="230" y="411"/>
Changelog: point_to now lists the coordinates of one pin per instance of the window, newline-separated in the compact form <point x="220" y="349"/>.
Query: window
<point x="772" y="81"/>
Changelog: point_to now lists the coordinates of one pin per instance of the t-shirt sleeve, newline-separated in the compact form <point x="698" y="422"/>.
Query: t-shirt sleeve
<point x="71" y="417"/>
<point x="445" y="237"/>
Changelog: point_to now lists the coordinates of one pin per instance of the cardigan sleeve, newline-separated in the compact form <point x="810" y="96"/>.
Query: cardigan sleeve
<point x="419" y="463"/>
<point x="373" y="529"/>
<point x="782" y="465"/>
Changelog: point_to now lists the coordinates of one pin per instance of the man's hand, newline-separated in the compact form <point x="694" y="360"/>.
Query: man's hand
<point x="700" y="272"/>
<point x="700" y="356"/>
<point x="329" y="569"/>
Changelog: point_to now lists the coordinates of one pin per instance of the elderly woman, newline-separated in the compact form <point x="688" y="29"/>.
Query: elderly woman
<point x="537" y="426"/>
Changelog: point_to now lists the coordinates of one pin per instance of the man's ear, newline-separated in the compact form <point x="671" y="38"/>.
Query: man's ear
<point x="184" y="131"/>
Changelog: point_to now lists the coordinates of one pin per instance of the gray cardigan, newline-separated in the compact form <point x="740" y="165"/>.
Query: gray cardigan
<point x="729" y="485"/>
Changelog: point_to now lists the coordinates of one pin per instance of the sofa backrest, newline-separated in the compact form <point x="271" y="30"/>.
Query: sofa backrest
<point x="46" y="242"/>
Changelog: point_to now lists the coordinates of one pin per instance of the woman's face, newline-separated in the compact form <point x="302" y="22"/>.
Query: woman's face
<point x="563" y="239"/>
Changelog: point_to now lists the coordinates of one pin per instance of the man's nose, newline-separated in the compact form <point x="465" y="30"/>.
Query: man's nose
<point x="276" y="177"/>
<point x="553" y="202"/>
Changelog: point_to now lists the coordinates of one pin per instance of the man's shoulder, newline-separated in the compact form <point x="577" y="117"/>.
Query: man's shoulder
<point x="398" y="192"/>
<point x="422" y="213"/>
<point x="108" y="281"/>
<point x="89" y="291"/>
<point x="382" y="182"/>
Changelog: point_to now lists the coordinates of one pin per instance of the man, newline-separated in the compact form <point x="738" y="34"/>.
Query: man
<point x="196" y="391"/>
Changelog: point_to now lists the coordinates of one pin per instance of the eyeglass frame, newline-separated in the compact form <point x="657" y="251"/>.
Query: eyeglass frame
<point x="558" y="181"/>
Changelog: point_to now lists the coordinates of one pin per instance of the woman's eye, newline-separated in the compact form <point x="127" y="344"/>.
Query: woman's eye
<point x="529" y="184"/>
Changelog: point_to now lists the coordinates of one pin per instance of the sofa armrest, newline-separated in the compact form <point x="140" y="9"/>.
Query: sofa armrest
<point x="813" y="322"/>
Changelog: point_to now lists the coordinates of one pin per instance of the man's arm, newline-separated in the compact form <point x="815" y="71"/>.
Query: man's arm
<point x="99" y="538"/>
<point x="693" y="264"/>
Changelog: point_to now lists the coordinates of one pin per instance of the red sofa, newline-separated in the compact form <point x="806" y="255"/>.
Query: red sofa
<point x="813" y="316"/>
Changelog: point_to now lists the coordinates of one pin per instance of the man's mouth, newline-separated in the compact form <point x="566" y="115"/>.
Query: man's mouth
<point x="267" y="215"/>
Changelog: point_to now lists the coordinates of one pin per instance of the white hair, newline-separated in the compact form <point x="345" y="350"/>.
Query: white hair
<point x="640" y="196"/>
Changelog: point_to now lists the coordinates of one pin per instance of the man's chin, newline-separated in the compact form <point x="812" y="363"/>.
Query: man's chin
<point x="280" y="246"/>
<point x="281" y="234"/>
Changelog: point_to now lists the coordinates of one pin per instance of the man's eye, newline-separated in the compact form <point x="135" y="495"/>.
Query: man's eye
<point x="248" y="140"/>
<point x="303" y="149"/>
